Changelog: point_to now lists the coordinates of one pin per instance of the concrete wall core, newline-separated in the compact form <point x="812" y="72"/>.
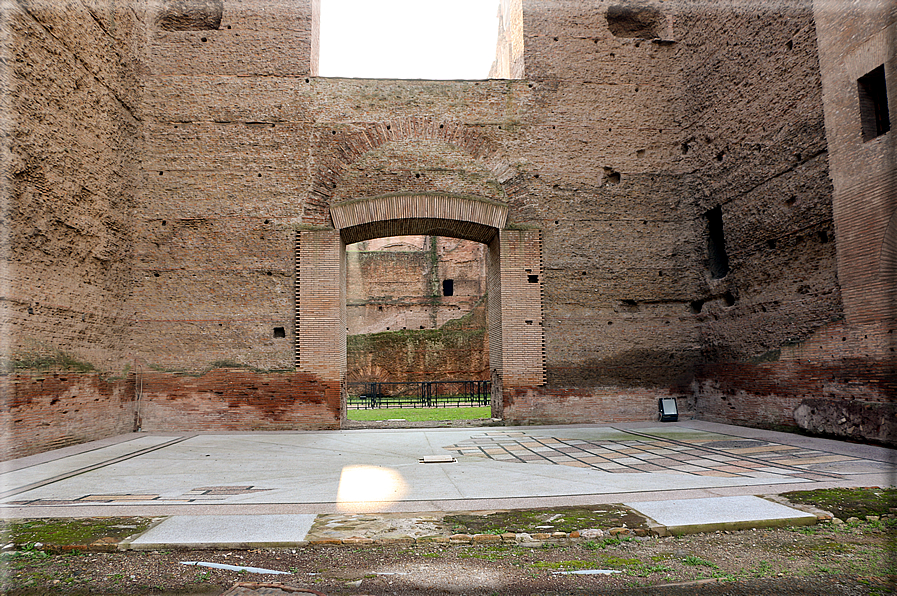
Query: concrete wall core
<point x="514" y="282"/>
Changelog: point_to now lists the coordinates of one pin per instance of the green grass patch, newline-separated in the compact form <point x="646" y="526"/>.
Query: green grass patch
<point x="848" y="502"/>
<point x="566" y="565"/>
<point x="418" y="414"/>
<point x="699" y="562"/>
<point x="72" y="532"/>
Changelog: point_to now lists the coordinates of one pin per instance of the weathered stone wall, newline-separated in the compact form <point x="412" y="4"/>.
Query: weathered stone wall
<point x="665" y="166"/>
<point x="400" y="282"/>
<point x="753" y="146"/>
<point x="224" y="176"/>
<point x="71" y="111"/>
<point x="419" y="355"/>
<point x="49" y="410"/>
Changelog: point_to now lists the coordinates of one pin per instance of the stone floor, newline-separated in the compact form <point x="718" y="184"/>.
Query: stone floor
<point x="244" y="489"/>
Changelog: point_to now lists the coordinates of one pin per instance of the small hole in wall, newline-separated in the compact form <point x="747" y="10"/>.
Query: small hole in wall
<point x="720" y="156"/>
<point x="791" y="200"/>
<point x="228" y="26"/>
<point x="260" y="175"/>
<point x="660" y="274"/>
<point x="203" y="40"/>
<point x="380" y="308"/>
<point x="610" y="322"/>
<point x="421" y="326"/>
<point x="267" y="221"/>
<point x="268" y="273"/>
<point x="30" y="311"/>
<point x="440" y="126"/>
<point x="729" y="299"/>
<point x="790" y="45"/>
<point x="308" y="80"/>
<point x="387" y="328"/>
<point x="771" y="243"/>
<point x="164" y="222"/>
<point x="280" y="332"/>
<point x="535" y="175"/>
<point x="388" y="127"/>
<point x="696" y="306"/>
<point x="161" y="173"/>
<point x="156" y="274"/>
<point x="417" y="175"/>
<point x="555" y="38"/>
<point x="533" y="279"/>
<point x="528" y="322"/>
<point x="798" y="156"/>
<point x="684" y="148"/>
<point x="823" y="237"/>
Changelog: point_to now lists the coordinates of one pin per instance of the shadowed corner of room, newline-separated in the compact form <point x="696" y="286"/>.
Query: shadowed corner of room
<point x="364" y="489"/>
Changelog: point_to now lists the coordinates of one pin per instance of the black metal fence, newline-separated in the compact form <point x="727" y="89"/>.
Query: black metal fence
<point x="419" y="394"/>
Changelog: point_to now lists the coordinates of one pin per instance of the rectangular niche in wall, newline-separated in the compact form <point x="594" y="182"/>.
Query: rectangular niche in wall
<point x="718" y="259"/>
<point x="873" y="93"/>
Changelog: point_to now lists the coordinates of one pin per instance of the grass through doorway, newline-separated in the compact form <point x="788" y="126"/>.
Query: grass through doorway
<point x="421" y="414"/>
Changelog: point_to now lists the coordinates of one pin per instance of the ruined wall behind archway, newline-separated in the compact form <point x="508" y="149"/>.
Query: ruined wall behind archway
<point x="615" y="154"/>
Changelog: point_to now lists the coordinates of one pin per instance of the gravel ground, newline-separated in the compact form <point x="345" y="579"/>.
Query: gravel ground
<point x="853" y="558"/>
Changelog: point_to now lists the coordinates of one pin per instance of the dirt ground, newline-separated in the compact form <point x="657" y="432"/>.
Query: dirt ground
<point x="858" y="556"/>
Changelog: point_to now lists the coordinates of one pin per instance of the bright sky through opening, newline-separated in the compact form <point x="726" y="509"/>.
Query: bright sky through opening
<point x="408" y="39"/>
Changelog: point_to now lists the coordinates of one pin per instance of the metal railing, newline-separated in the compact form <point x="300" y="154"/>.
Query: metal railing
<point x="418" y="394"/>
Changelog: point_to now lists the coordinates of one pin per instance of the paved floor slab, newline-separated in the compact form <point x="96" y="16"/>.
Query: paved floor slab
<point x="227" y="531"/>
<point x="380" y="470"/>
<point x="691" y="515"/>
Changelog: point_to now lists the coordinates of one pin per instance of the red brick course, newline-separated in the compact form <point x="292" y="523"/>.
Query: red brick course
<point x="228" y="399"/>
<point x="47" y="411"/>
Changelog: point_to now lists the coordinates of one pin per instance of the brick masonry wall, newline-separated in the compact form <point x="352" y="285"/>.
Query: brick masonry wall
<point x="234" y="399"/>
<point x="398" y="283"/>
<point x="614" y="148"/>
<point x="851" y="44"/>
<point x="599" y="405"/>
<point x="44" y="411"/>
<point x="71" y="113"/>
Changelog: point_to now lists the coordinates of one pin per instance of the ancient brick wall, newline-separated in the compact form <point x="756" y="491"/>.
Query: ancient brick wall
<point x="71" y="110"/>
<point x="853" y="44"/>
<point x="419" y="355"/>
<point x="236" y="399"/>
<point x="412" y="282"/>
<point x="671" y="164"/>
<point x="223" y="177"/>
<point x="620" y="259"/>
<point x="44" y="411"/>
<point x="753" y="148"/>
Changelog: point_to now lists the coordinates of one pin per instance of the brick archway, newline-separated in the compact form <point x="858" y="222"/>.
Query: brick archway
<point x="514" y="282"/>
<point x="346" y="146"/>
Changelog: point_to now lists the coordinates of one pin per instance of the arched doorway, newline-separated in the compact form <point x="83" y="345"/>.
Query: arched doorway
<point x="514" y="282"/>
